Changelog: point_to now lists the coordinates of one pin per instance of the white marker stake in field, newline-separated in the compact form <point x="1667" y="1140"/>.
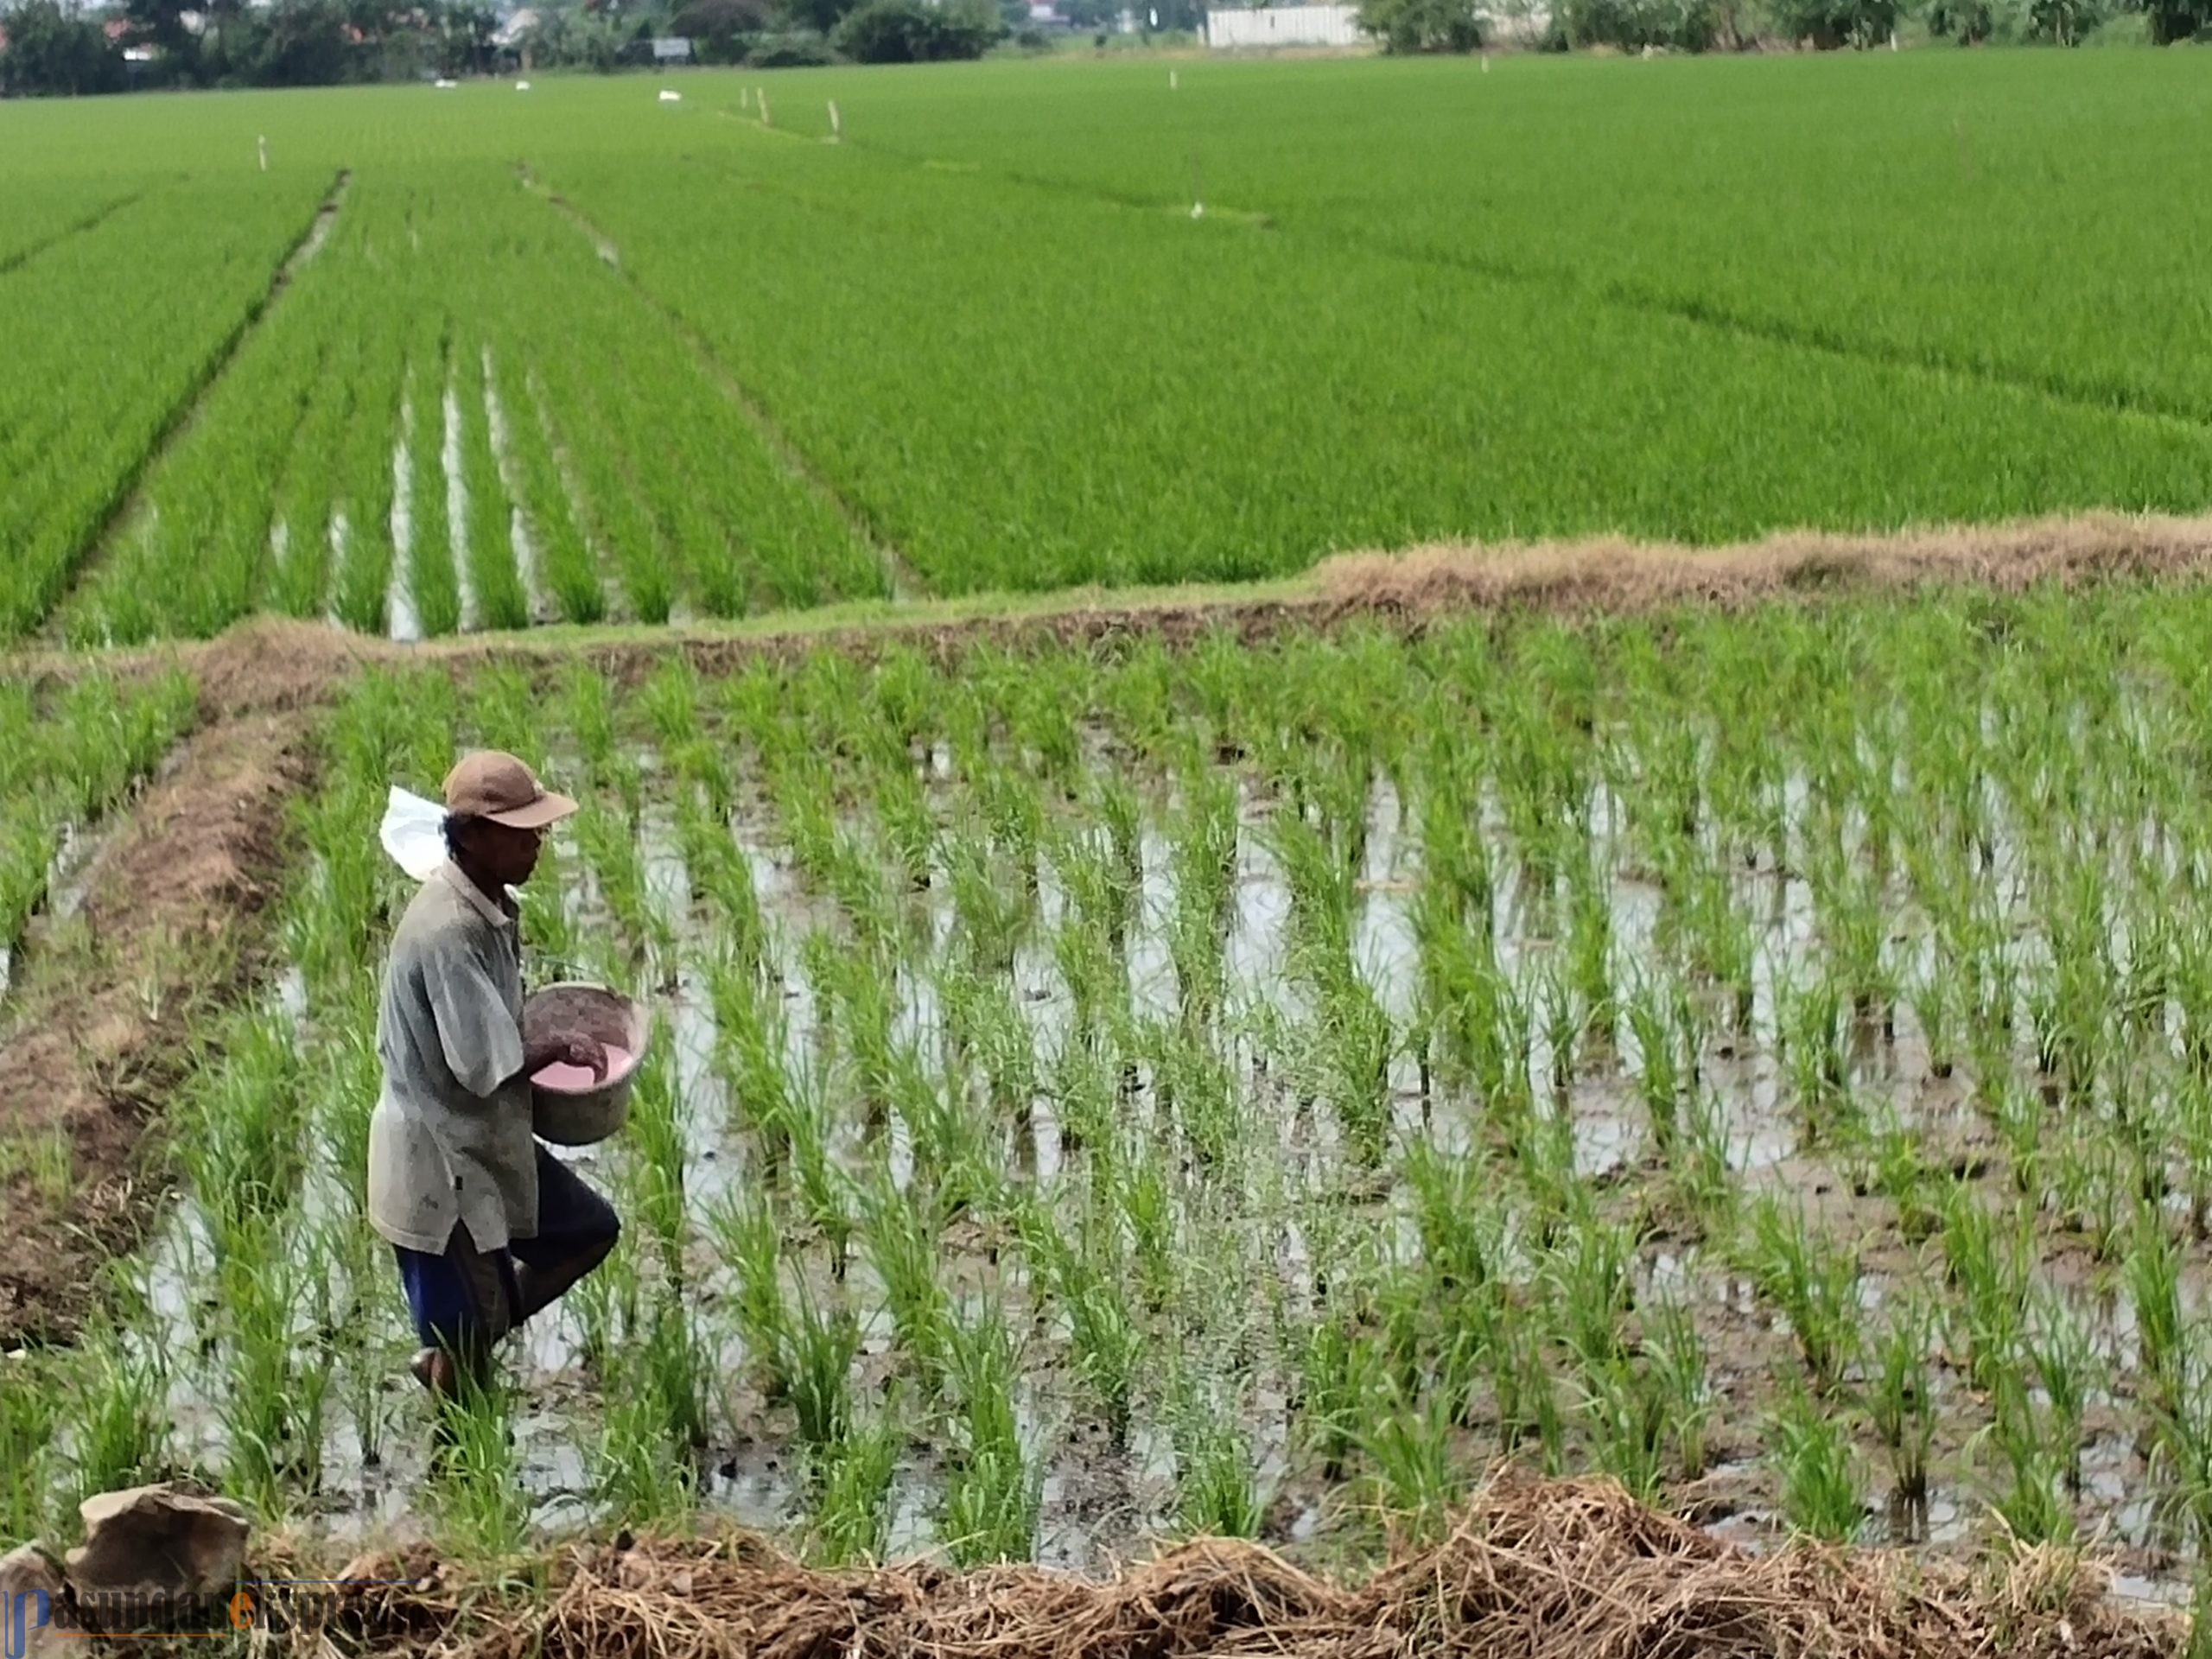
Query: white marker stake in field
<point x="761" y="95"/>
<point x="1172" y="82"/>
<point x="262" y="145"/>
<point x="1486" y="63"/>
<point x="836" y="126"/>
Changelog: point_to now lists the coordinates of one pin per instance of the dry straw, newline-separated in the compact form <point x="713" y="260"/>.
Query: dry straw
<point x="1532" y="1569"/>
<point x="1606" y="573"/>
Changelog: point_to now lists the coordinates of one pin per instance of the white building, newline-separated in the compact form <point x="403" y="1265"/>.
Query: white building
<point x="1266" y="26"/>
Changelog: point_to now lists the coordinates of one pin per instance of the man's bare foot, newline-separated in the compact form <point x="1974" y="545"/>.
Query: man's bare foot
<point x="437" y="1369"/>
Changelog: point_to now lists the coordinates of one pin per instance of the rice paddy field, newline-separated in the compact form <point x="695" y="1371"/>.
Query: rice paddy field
<point x="475" y="359"/>
<point x="1243" y="1061"/>
<point x="1246" y="1089"/>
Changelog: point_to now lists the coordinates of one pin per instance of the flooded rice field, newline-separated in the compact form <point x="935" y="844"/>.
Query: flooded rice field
<point x="1100" y="1096"/>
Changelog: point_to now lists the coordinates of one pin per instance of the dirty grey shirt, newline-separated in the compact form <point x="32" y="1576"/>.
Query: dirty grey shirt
<point x="450" y="1139"/>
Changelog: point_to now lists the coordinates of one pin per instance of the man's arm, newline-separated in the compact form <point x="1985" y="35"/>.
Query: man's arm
<point x="483" y="1043"/>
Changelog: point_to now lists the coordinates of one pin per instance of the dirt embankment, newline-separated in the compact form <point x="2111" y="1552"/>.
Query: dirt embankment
<point x="174" y="922"/>
<point x="1612" y="574"/>
<point x="1531" y="1569"/>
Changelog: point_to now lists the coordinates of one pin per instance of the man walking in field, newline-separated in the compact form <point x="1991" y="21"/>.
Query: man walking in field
<point x="489" y="1227"/>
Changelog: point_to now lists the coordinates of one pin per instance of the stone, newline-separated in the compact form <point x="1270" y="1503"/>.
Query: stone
<point x="27" y="1628"/>
<point x="161" y="1539"/>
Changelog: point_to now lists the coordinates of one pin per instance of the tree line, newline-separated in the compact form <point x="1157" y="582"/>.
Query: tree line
<point x="72" y="48"/>
<point x="1738" y="25"/>
<point x="69" y="48"/>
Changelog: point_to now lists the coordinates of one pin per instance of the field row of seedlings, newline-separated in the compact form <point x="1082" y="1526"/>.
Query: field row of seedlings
<point x="1240" y="393"/>
<point x="1766" y="1057"/>
<point x="67" y="756"/>
<point x="106" y="357"/>
<point x="41" y="213"/>
<point x="460" y="419"/>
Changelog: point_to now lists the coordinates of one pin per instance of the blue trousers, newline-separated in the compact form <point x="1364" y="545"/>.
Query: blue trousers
<point x="465" y="1300"/>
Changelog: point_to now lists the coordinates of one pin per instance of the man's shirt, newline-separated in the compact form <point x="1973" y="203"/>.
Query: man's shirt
<point x="450" y="1140"/>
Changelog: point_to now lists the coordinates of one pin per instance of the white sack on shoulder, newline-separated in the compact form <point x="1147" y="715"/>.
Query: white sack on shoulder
<point x="414" y="832"/>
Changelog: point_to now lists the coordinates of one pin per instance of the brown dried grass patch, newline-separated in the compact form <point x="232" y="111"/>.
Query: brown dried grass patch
<point x="1531" y="1569"/>
<point x="1615" y="574"/>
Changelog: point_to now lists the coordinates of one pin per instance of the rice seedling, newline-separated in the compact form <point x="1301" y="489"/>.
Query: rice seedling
<point x="2031" y="1497"/>
<point x="478" y="1495"/>
<point x="1217" y="1492"/>
<point x="1900" y="1392"/>
<point x="818" y="1368"/>
<point x="1625" y="1410"/>
<point x="1341" y="1372"/>
<point x="852" y="1484"/>
<point x="1986" y="1255"/>
<point x="119" y="1404"/>
<point x="1816" y="1284"/>
<point x="2152" y="1273"/>
<point x="2064" y="1353"/>
<point x="1678" y="1375"/>
<point x="279" y="1384"/>
<point x="748" y="1237"/>
<point x="902" y="1246"/>
<point x="995" y="1487"/>
<point x="1660" y="1066"/>
<point x="1821" y="1485"/>
<point x="1407" y="1446"/>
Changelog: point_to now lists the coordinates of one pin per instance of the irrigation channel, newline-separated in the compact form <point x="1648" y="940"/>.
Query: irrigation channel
<point x="1101" y="1095"/>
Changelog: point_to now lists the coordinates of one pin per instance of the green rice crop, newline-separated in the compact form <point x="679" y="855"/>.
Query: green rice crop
<point x="696" y="368"/>
<point x="1030" y="1162"/>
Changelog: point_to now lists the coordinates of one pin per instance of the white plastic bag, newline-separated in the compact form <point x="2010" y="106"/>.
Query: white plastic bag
<point x="414" y="832"/>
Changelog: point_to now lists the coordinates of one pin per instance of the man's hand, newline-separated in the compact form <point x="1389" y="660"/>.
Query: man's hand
<point x="573" y="1049"/>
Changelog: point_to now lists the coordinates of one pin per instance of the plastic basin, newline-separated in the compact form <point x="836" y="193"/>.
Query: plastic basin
<point x="567" y="1107"/>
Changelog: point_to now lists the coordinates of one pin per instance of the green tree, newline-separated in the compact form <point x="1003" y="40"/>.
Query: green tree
<point x="55" y="49"/>
<point x="308" y="44"/>
<point x="821" y="15"/>
<point x="905" y="31"/>
<point x="1423" y="25"/>
<point x="720" y="30"/>
<point x="2178" y="20"/>
<point x="1831" y="23"/>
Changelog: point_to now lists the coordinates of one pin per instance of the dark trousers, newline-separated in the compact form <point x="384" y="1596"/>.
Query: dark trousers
<point x="465" y="1300"/>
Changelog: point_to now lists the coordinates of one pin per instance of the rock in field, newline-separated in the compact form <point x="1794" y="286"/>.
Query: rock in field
<point x="156" y="1539"/>
<point x="24" y="1569"/>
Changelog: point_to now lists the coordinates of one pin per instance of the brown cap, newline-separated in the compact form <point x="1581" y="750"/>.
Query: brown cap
<point x="491" y="785"/>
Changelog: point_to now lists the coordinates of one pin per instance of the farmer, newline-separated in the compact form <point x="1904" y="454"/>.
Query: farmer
<point x="489" y="1227"/>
